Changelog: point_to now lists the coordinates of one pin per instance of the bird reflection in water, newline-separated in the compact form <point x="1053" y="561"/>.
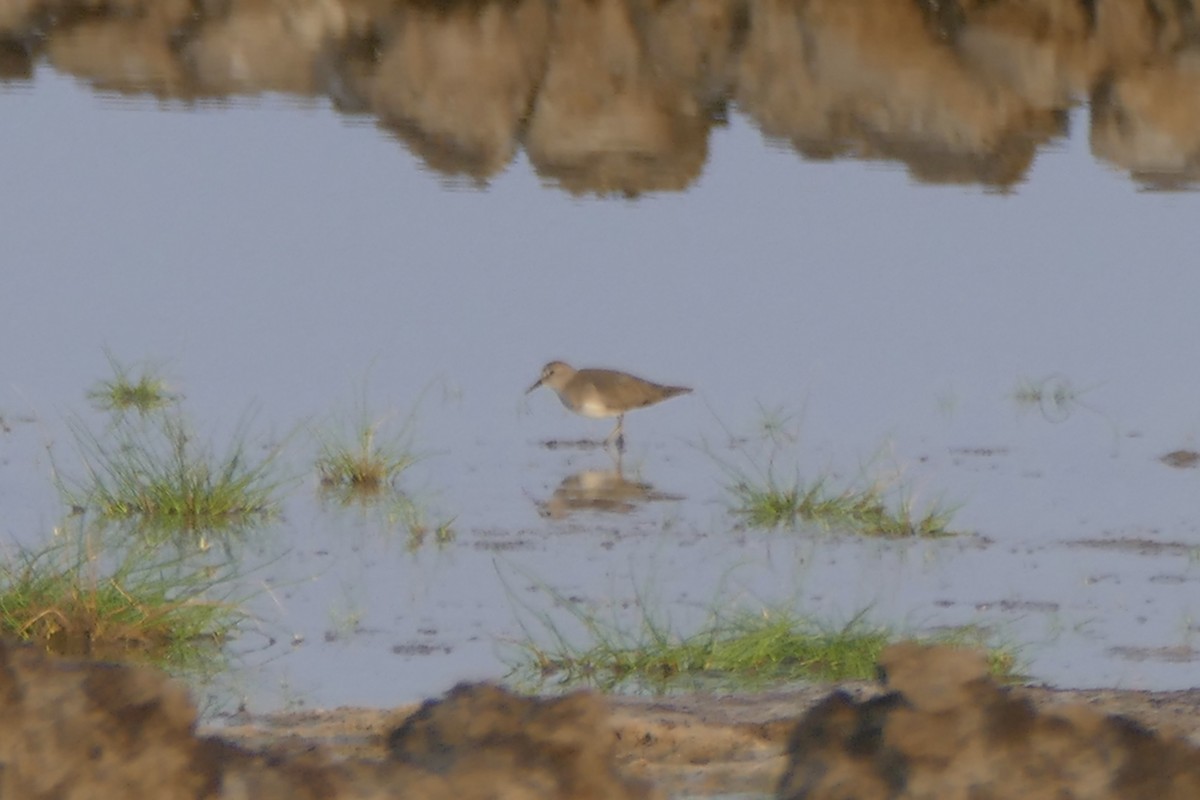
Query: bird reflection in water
<point x="601" y="490"/>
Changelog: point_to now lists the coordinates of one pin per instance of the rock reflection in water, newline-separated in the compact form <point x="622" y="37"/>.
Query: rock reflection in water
<point x="621" y="96"/>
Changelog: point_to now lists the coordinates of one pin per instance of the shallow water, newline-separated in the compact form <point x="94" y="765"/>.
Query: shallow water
<point x="281" y="261"/>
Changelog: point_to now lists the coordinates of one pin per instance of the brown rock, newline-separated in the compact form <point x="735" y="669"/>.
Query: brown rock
<point x="85" y="729"/>
<point x="77" y="730"/>
<point x="947" y="731"/>
<point x="527" y="747"/>
<point x="17" y="14"/>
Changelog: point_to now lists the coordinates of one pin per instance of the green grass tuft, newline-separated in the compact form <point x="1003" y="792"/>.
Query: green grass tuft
<point x="1055" y="396"/>
<point x="360" y="461"/>
<point x="145" y="392"/>
<point x="870" y="506"/>
<point x="862" y="510"/>
<point x="152" y="470"/>
<point x="742" y="648"/>
<point x="753" y="648"/>
<point x="77" y="598"/>
<point x="408" y="513"/>
<point x="361" y="466"/>
<point x="366" y="464"/>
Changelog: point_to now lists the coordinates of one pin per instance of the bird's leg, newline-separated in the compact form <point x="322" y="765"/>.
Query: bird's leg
<point x="618" y="434"/>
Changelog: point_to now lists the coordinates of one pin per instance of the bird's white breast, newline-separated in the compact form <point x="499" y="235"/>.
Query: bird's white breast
<point x="590" y="407"/>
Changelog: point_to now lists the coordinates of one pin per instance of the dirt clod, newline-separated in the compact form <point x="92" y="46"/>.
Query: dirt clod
<point x="558" y="747"/>
<point x="946" y="730"/>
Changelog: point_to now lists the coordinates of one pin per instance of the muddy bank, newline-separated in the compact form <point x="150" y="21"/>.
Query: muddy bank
<point x="621" y="96"/>
<point x="936" y="726"/>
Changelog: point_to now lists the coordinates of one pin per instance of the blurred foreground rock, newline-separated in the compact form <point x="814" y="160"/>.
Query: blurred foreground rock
<point x="75" y="730"/>
<point x="945" y="730"/>
<point x="559" y="747"/>
<point x="91" y="729"/>
<point x="940" y="728"/>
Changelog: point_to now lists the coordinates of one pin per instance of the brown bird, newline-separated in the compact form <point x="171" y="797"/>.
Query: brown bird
<point x="602" y="393"/>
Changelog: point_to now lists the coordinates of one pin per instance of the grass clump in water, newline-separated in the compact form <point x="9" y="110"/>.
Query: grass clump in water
<point x="744" y="648"/>
<point x="153" y="471"/>
<point x="364" y="462"/>
<point x="392" y="510"/>
<point x="871" y="506"/>
<point x="1055" y="396"/>
<point x="144" y="392"/>
<point x="361" y="467"/>
<point x="414" y="519"/>
<point x="863" y="510"/>
<point x="76" y="598"/>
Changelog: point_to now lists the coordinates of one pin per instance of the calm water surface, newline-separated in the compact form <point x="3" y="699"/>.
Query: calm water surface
<point x="283" y="261"/>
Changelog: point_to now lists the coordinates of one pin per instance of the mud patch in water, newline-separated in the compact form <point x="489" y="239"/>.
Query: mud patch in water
<point x="1044" y="607"/>
<point x="1137" y="546"/>
<point x="1178" y="654"/>
<point x="1181" y="459"/>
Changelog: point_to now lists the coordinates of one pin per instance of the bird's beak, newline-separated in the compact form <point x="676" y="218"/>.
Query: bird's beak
<point x="536" y="384"/>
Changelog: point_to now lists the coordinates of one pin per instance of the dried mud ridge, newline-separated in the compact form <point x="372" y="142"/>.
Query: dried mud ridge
<point x="937" y="726"/>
